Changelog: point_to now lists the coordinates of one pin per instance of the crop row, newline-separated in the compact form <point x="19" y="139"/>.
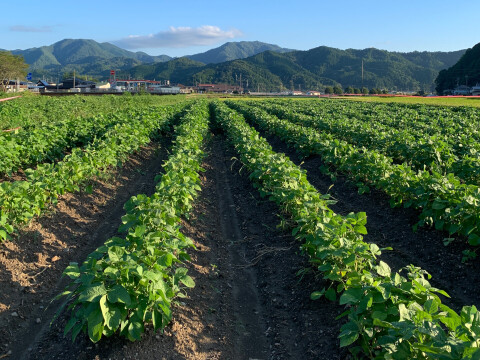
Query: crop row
<point x="419" y="150"/>
<point x="133" y="280"/>
<point x="443" y="121"/>
<point x="443" y="200"/>
<point x="59" y="126"/>
<point x="22" y="148"/>
<point x="459" y="127"/>
<point x="389" y="316"/>
<point x="20" y="201"/>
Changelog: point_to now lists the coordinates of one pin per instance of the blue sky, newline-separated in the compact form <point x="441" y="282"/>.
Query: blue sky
<point x="185" y="27"/>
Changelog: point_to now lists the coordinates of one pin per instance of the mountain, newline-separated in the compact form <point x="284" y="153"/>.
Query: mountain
<point x="85" y="56"/>
<point x="312" y="69"/>
<point x="465" y="71"/>
<point x="95" y="59"/>
<point x="264" y="66"/>
<point x="235" y="50"/>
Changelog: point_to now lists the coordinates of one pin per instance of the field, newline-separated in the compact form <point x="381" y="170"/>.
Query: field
<point x="144" y="227"/>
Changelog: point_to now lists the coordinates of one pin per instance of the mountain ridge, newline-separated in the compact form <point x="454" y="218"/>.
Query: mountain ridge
<point x="313" y="69"/>
<point x="265" y="66"/>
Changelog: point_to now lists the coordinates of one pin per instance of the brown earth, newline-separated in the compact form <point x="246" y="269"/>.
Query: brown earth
<point x="393" y="227"/>
<point x="248" y="302"/>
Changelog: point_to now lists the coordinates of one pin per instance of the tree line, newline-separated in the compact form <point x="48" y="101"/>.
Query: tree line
<point x="351" y="90"/>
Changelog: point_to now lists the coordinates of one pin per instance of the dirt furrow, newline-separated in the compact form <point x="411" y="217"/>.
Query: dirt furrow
<point x="31" y="264"/>
<point x="392" y="227"/>
<point x="248" y="302"/>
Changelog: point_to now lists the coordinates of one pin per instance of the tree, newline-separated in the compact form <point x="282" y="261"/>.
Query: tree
<point x="329" y="90"/>
<point x="365" y="91"/>
<point x="337" y="90"/>
<point x="12" y="67"/>
<point x="349" y="90"/>
<point x="357" y="91"/>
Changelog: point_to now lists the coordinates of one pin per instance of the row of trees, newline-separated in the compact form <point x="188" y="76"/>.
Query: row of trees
<point x="12" y="67"/>
<point x="351" y="90"/>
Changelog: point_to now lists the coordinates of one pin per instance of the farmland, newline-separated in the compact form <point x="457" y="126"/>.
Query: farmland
<point x="209" y="228"/>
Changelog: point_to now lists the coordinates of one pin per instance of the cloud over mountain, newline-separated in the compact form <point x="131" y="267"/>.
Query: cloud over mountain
<point x="179" y="37"/>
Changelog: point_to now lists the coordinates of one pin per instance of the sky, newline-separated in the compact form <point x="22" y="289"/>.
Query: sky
<point x="186" y="27"/>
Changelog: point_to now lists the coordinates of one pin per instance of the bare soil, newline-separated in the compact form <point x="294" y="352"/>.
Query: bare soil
<point x="248" y="302"/>
<point x="393" y="227"/>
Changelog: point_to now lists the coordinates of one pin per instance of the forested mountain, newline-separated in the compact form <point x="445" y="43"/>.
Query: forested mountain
<point x="271" y="70"/>
<point x="314" y="69"/>
<point x="235" y="50"/>
<point x="465" y="72"/>
<point x="85" y="56"/>
<point x="89" y="57"/>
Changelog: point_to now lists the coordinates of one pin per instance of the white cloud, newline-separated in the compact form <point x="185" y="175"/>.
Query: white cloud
<point x="178" y="37"/>
<point x="23" y="28"/>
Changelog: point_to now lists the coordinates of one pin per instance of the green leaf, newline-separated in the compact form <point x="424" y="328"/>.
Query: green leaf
<point x="95" y="325"/>
<point x="380" y="315"/>
<point x="119" y="294"/>
<point x="375" y="249"/>
<point x="187" y="281"/>
<point x="140" y="230"/>
<point x="111" y="314"/>
<point x="165" y="260"/>
<point x="431" y="305"/>
<point x="156" y="319"/>
<point x="135" y="329"/>
<point x="115" y="253"/>
<point x="351" y="296"/>
<point x="348" y="339"/>
<point x="474" y="240"/>
<point x="438" y="205"/>
<point x="92" y="293"/>
<point x="361" y="229"/>
<point x="361" y="218"/>
<point x="72" y="271"/>
<point x="317" y="294"/>
<point x="331" y="295"/>
<point x="383" y="269"/>
<point x="349" y="334"/>
<point x="76" y="330"/>
<point x="3" y="235"/>
<point x="70" y="324"/>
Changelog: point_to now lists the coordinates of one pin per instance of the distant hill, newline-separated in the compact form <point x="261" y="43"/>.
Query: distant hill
<point x="263" y="66"/>
<point x="235" y="50"/>
<point x="86" y="56"/>
<point x="314" y="69"/>
<point x="96" y="59"/>
<point x="465" y="70"/>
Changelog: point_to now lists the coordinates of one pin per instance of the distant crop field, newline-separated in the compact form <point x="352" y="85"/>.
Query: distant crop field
<point x="444" y="101"/>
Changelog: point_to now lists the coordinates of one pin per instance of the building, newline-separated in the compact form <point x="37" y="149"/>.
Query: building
<point x="462" y="90"/>
<point x="219" y="88"/>
<point x="16" y="86"/>
<point x="185" y="89"/>
<point x="476" y="90"/>
<point x="150" y="86"/>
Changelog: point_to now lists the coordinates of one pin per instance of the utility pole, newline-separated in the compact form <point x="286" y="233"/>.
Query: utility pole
<point x="362" y="73"/>
<point x="74" y="78"/>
